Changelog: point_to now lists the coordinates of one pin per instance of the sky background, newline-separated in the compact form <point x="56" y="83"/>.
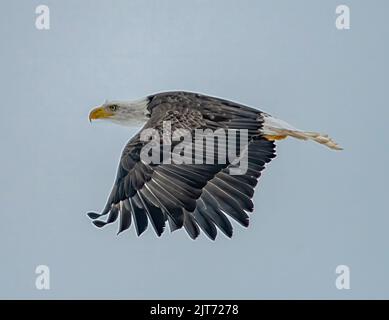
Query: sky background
<point x="315" y="208"/>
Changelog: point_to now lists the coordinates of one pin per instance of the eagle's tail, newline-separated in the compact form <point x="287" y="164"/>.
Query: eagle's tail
<point x="276" y="129"/>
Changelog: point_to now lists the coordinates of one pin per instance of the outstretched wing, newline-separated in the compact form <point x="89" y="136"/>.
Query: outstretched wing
<point x="191" y="195"/>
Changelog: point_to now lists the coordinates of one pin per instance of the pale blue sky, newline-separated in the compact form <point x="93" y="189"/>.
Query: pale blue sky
<point x="315" y="208"/>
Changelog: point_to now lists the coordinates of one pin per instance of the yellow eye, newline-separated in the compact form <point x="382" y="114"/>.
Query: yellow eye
<point x="113" y="107"/>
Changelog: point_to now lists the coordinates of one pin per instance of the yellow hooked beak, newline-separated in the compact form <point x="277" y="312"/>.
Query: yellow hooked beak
<point x="99" y="113"/>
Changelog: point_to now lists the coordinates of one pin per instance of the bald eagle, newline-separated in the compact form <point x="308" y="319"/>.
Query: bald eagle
<point x="196" y="196"/>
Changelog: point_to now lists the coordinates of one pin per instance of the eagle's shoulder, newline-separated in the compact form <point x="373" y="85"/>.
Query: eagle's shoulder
<point x="178" y="100"/>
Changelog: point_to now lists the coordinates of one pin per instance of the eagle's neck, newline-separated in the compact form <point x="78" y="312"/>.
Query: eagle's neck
<point x="133" y="113"/>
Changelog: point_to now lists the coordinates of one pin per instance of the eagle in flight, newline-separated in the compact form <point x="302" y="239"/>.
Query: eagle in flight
<point x="196" y="196"/>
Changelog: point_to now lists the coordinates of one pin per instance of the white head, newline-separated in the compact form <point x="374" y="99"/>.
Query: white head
<point x="126" y="113"/>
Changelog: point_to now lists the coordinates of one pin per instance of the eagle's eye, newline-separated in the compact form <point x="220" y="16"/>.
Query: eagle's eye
<point x="113" y="107"/>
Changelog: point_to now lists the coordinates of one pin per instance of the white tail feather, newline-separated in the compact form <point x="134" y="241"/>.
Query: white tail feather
<point x="276" y="127"/>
